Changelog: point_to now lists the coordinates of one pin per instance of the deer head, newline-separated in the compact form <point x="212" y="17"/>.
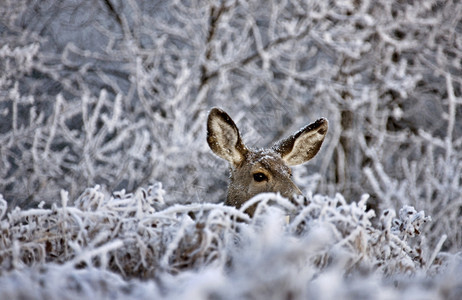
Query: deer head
<point x="265" y="170"/>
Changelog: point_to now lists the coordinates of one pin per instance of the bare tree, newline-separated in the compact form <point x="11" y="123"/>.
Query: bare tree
<point x="116" y="93"/>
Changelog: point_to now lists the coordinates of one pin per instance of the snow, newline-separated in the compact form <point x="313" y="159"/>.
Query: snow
<point x="135" y="245"/>
<point x="98" y="102"/>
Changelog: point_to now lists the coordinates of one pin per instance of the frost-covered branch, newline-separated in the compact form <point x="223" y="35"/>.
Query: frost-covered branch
<point x="138" y="235"/>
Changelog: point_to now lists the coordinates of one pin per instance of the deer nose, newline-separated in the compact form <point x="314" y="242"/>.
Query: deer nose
<point x="297" y="196"/>
<point x="292" y="192"/>
<point x="296" y="192"/>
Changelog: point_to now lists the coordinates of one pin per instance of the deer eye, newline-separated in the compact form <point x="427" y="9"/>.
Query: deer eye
<point x="259" y="177"/>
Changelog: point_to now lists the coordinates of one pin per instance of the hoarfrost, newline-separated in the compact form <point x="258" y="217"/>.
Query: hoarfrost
<point x="115" y="95"/>
<point x="134" y="245"/>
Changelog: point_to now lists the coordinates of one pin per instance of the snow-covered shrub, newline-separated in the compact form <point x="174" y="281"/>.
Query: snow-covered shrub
<point x="115" y="93"/>
<point x="101" y="245"/>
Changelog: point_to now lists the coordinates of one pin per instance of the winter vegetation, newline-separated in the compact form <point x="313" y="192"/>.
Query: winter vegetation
<point x="108" y="188"/>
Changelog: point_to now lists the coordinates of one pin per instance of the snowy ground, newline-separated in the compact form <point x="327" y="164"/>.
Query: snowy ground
<point x="136" y="246"/>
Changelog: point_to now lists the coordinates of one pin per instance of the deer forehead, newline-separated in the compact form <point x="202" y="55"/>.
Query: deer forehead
<point x="269" y="160"/>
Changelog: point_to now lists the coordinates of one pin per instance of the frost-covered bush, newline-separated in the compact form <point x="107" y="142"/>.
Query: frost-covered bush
<point x="115" y="93"/>
<point x="101" y="245"/>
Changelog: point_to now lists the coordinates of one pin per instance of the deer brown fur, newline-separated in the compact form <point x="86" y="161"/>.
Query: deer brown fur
<point x="265" y="170"/>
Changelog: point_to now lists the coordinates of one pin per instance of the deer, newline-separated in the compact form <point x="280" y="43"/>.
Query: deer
<point x="266" y="170"/>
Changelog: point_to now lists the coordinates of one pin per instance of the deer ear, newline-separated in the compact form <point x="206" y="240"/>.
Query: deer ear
<point x="223" y="137"/>
<point x="304" y="144"/>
